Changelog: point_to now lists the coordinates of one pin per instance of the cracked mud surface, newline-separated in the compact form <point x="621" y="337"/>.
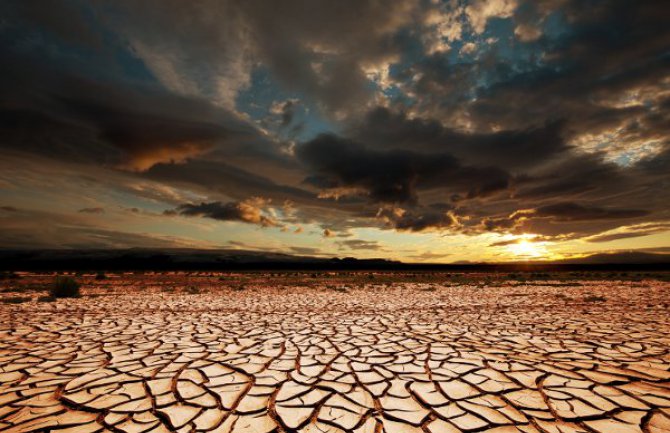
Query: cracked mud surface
<point x="399" y="358"/>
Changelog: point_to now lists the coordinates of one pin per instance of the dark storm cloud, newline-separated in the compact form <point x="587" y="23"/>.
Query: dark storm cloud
<point x="417" y="220"/>
<point x="66" y="21"/>
<point x="418" y="164"/>
<point x="319" y="49"/>
<point x="611" y="48"/>
<point x="382" y="167"/>
<point x="149" y="137"/>
<point x="393" y="176"/>
<point x="249" y="211"/>
<point x="58" y="113"/>
<point x="360" y="32"/>
<point x="510" y="149"/>
<point x="603" y="80"/>
<point x="577" y="212"/>
<point x="66" y="99"/>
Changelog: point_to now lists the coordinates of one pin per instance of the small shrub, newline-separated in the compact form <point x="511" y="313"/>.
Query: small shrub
<point x="46" y="299"/>
<point x="239" y="288"/>
<point x="15" y="300"/>
<point x="595" y="298"/>
<point x="100" y="276"/>
<point x="65" y="287"/>
<point x="192" y="290"/>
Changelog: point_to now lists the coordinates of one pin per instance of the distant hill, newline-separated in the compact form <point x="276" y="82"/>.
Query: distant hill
<point x="145" y="259"/>
<point x="621" y="257"/>
<point x="230" y="259"/>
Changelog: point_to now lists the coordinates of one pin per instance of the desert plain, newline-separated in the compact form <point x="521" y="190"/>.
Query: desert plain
<point x="336" y="352"/>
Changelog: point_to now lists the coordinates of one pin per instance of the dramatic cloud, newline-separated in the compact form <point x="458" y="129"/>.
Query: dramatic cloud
<point x="577" y="212"/>
<point x="133" y="128"/>
<point x="402" y="219"/>
<point x="392" y="176"/>
<point x="511" y="149"/>
<point x="441" y="121"/>
<point x="248" y="211"/>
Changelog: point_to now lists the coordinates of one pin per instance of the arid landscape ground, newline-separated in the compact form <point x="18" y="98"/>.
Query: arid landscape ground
<point x="337" y="352"/>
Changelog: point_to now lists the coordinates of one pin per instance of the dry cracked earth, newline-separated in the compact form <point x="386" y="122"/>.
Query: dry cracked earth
<point x="139" y="354"/>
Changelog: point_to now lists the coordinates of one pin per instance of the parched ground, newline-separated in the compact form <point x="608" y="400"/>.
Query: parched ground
<point x="182" y="352"/>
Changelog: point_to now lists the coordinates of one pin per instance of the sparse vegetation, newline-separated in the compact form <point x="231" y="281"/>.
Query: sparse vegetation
<point x="595" y="298"/>
<point x="192" y="290"/>
<point x="65" y="287"/>
<point x="15" y="300"/>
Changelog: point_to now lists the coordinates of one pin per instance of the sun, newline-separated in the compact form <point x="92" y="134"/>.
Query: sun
<point x="524" y="248"/>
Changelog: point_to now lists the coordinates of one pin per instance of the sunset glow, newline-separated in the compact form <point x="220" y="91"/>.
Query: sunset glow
<point x="526" y="249"/>
<point x="438" y="131"/>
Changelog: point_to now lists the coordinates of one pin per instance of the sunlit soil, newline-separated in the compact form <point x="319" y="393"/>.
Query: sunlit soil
<point x="333" y="353"/>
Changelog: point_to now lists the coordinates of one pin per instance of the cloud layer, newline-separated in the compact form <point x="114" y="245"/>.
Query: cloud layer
<point x="474" y="118"/>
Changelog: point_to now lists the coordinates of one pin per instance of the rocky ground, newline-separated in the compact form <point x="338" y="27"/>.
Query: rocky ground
<point x="318" y="353"/>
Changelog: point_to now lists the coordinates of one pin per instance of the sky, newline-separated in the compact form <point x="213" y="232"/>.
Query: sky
<point x="422" y="131"/>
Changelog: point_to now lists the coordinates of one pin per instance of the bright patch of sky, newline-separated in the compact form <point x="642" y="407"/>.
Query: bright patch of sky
<point x="263" y="99"/>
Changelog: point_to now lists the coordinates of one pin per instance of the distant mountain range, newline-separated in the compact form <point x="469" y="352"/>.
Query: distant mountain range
<point x="620" y="257"/>
<point x="228" y="259"/>
<point x="145" y="259"/>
